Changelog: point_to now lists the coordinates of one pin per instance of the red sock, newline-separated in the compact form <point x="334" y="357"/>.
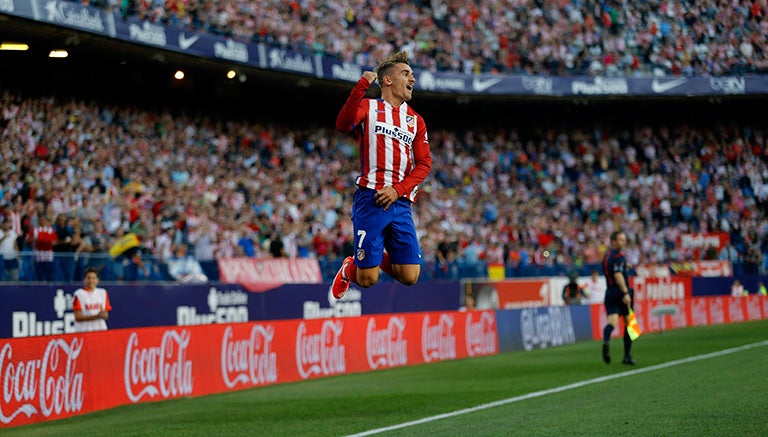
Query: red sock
<point x="386" y="265"/>
<point x="351" y="272"/>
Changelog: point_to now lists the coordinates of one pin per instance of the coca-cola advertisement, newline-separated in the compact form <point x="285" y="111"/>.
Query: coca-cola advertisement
<point x="53" y="377"/>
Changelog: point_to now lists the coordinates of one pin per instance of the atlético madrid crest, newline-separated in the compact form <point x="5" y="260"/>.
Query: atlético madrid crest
<point x="409" y="120"/>
<point x="360" y="254"/>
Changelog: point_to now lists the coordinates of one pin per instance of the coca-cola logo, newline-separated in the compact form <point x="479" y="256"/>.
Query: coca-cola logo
<point x="48" y="385"/>
<point x="386" y="346"/>
<point x="320" y="353"/>
<point x="481" y="334"/>
<point x="438" y="342"/>
<point x="249" y="360"/>
<point x="158" y="370"/>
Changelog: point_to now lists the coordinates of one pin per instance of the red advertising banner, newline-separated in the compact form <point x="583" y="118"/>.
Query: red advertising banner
<point x="264" y="274"/>
<point x="705" y="239"/>
<point x="660" y="315"/>
<point x="48" y="378"/>
<point x="709" y="269"/>
<point x="653" y="270"/>
<point x="698" y="243"/>
<point x="705" y="268"/>
<point x="522" y="293"/>
<point x="655" y="288"/>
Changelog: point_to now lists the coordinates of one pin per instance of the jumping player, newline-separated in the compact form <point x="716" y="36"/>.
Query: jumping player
<point x="91" y="304"/>
<point x="394" y="160"/>
<point x="618" y="296"/>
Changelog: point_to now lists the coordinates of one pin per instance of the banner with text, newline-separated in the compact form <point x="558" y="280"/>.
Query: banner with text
<point x="47" y="309"/>
<point x="48" y="378"/>
<point x="663" y="314"/>
<point x="263" y="274"/>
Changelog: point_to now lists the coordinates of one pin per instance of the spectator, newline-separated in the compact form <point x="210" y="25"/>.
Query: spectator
<point x="572" y="291"/>
<point x="42" y="239"/>
<point x="9" y="249"/>
<point x="737" y="289"/>
<point x="163" y="250"/>
<point x="64" y="248"/>
<point x="183" y="267"/>
<point x="94" y="247"/>
<point x="594" y="288"/>
<point x="469" y="303"/>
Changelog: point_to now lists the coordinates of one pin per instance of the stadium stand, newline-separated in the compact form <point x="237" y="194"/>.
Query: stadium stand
<point x="530" y="185"/>
<point x="227" y="187"/>
<point x="558" y="38"/>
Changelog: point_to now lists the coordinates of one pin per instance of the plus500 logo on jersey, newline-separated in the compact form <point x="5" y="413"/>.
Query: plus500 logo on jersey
<point x="394" y="132"/>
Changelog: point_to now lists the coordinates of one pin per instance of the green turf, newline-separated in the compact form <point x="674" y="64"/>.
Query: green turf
<point x="723" y="395"/>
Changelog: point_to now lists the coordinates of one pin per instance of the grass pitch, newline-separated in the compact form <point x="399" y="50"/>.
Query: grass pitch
<point x="562" y="391"/>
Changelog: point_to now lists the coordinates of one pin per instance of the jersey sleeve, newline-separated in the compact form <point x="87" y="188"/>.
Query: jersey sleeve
<point x="617" y="264"/>
<point x="353" y="111"/>
<point x="76" y="304"/>
<point x="107" y="305"/>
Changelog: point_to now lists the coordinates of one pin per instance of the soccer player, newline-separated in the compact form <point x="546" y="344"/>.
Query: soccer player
<point x="618" y="296"/>
<point x="91" y="304"/>
<point x="394" y="160"/>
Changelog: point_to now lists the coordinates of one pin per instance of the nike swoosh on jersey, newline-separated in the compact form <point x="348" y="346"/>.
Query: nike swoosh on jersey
<point x="480" y="85"/>
<point x="659" y="87"/>
<point x="185" y="42"/>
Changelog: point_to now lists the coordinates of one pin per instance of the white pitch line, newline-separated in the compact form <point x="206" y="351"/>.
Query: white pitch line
<point x="562" y="389"/>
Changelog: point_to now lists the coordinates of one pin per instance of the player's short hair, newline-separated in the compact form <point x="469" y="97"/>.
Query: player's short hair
<point x="91" y="270"/>
<point x="387" y="63"/>
<point x="615" y="235"/>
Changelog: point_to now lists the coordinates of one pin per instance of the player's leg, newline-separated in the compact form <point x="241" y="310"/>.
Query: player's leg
<point x="368" y="222"/>
<point x="402" y="245"/>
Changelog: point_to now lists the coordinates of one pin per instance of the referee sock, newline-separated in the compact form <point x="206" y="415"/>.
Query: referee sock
<point x="607" y="333"/>
<point x="386" y="265"/>
<point x="627" y="343"/>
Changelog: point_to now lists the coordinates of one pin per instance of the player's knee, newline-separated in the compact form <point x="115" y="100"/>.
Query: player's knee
<point x="408" y="278"/>
<point x="367" y="278"/>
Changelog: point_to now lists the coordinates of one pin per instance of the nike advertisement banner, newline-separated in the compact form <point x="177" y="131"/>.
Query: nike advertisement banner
<point x="49" y="378"/>
<point x="272" y="57"/>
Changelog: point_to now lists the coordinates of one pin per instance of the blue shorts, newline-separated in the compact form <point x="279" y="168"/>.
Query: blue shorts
<point x="377" y="229"/>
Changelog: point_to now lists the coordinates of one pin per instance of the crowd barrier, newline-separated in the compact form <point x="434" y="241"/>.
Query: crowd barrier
<point x="53" y="377"/>
<point x="47" y="309"/>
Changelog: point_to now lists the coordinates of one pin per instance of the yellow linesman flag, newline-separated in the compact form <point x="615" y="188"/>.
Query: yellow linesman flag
<point x="633" y="328"/>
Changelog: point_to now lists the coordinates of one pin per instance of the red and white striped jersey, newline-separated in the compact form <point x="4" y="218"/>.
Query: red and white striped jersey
<point x="394" y="148"/>
<point x="91" y="303"/>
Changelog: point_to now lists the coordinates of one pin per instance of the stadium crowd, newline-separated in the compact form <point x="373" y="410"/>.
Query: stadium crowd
<point x="559" y="38"/>
<point x="76" y="177"/>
